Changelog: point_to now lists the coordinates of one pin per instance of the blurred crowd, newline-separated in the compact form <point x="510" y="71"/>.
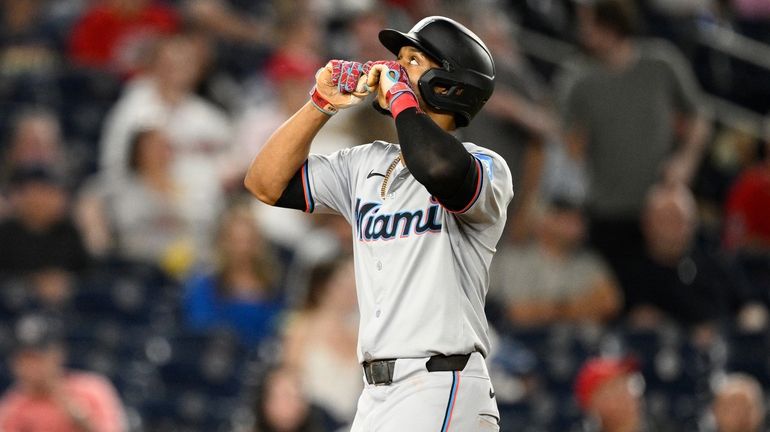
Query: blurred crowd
<point x="141" y="288"/>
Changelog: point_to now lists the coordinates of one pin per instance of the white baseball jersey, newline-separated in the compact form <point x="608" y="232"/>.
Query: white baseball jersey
<point x="422" y="271"/>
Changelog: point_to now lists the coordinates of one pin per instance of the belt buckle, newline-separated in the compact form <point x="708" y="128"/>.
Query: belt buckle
<point x="380" y="373"/>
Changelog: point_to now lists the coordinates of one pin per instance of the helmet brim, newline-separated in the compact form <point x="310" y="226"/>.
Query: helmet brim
<point x="394" y="40"/>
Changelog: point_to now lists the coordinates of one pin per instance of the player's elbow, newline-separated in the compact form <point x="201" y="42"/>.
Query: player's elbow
<point x="259" y="190"/>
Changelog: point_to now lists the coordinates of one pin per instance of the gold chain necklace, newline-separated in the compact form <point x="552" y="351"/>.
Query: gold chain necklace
<point x="385" y="180"/>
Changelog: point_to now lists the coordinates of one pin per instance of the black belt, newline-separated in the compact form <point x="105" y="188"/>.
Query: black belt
<point x="380" y="372"/>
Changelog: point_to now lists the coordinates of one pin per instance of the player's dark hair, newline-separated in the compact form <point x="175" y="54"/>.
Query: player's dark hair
<point x="619" y="16"/>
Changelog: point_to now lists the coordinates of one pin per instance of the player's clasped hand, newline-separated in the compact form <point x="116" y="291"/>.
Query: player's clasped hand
<point x="391" y="81"/>
<point x="349" y="77"/>
<point x="339" y="85"/>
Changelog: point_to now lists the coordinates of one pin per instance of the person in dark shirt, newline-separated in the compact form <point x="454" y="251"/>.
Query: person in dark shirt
<point x="681" y="280"/>
<point x="39" y="241"/>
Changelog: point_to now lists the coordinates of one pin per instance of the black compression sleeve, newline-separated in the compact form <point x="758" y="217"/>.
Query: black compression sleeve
<point x="437" y="159"/>
<point x="293" y="196"/>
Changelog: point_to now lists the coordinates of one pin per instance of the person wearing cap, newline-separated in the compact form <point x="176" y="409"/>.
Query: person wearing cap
<point x="609" y="391"/>
<point x="555" y="279"/>
<point x="47" y="397"/>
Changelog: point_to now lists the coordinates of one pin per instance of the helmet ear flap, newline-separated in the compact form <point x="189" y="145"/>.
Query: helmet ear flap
<point x="455" y="92"/>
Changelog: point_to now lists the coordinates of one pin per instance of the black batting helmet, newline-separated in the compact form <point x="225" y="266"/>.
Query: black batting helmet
<point x="467" y="70"/>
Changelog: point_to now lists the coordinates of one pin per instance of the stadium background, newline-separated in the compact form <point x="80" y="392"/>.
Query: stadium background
<point x="125" y="130"/>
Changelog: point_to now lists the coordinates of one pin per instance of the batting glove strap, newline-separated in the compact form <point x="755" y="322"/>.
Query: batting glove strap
<point x="401" y="97"/>
<point x="321" y="104"/>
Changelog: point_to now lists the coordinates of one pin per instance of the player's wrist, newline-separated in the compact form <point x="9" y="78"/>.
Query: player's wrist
<point x="399" y="98"/>
<point x="321" y="103"/>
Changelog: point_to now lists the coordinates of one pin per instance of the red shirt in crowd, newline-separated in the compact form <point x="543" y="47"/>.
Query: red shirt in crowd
<point x="748" y="209"/>
<point x="94" y="395"/>
<point x="106" y="38"/>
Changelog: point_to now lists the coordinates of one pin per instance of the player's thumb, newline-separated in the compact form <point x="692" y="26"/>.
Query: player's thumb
<point x="373" y="77"/>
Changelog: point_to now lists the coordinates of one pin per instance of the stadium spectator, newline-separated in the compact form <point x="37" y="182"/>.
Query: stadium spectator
<point x="27" y="42"/>
<point x="739" y="404"/>
<point x="678" y="278"/>
<point x="242" y="292"/>
<point x="137" y="216"/>
<point x="631" y="112"/>
<point x="322" y="337"/>
<point x="40" y="242"/>
<point x="48" y="397"/>
<point x="117" y="35"/>
<point x="198" y="131"/>
<point x="36" y="139"/>
<point x="747" y="210"/>
<point x="610" y="393"/>
<point x="280" y="406"/>
<point x="555" y="279"/>
<point x="747" y="226"/>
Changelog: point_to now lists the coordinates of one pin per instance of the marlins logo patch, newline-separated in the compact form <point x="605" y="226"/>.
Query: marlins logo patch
<point x="486" y="160"/>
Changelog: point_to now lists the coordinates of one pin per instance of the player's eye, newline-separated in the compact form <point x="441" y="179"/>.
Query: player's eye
<point x="413" y="61"/>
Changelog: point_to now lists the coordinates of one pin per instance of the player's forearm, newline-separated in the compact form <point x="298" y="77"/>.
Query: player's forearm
<point x="435" y="158"/>
<point x="283" y="154"/>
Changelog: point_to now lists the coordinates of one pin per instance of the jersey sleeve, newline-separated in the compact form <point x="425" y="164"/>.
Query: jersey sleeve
<point x="493" y="192"/>
<point x="327" y="183"/>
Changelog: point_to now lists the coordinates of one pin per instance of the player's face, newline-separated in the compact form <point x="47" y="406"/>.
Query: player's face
<point x="416" y="63"/>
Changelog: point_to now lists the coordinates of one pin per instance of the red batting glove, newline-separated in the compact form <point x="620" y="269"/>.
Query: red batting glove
<point x="390" y="64"/>
<point x="394" y="94"/>
<point x="345" y="74"/>
<point x="336" y="84"/>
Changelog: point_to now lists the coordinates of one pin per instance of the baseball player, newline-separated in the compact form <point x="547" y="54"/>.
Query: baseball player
<point x="426" y="215"/>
